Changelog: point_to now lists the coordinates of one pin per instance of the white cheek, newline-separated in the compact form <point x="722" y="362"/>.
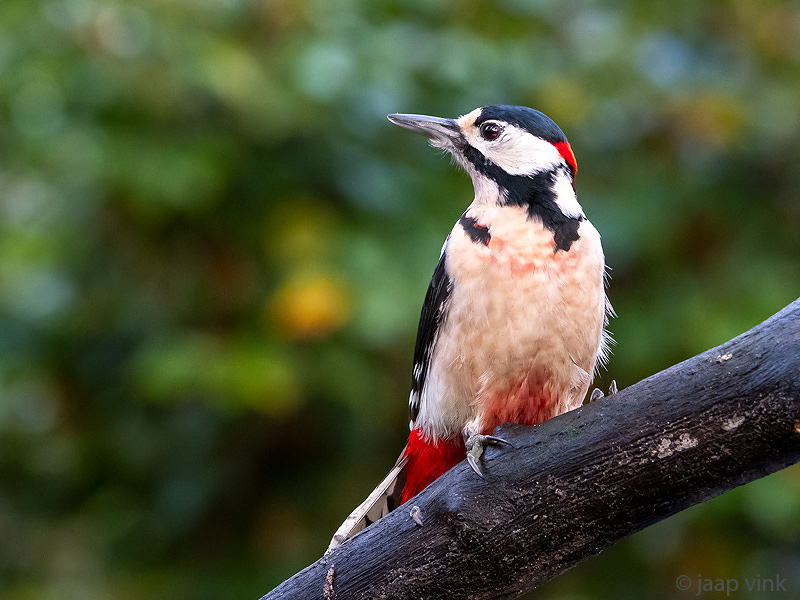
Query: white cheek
<point x="518" y="152"/>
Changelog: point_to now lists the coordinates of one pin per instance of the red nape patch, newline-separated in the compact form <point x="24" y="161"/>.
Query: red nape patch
<point x="427" y="461"/>
<point x="565" y="150"/>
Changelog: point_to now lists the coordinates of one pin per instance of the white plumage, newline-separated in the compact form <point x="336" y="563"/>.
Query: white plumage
<point x="517" y="310"/>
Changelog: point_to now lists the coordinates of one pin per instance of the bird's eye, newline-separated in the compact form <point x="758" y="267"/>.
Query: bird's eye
<point x="490" y="131"/>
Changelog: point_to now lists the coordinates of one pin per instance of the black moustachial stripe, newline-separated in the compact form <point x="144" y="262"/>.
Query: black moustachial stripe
<point x="434" y="309"/>
<point x="532" y="192"/>
<point x="477" y="233"/>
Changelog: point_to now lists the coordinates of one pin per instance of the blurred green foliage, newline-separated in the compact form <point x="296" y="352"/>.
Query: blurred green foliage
<point x="213" y="250"/>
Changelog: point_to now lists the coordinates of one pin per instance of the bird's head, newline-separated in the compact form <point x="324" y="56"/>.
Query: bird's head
<point x="503" y="148"/>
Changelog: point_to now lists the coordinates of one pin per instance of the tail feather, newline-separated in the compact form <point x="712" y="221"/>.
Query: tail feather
<point x="383" y="499"/>
<point x="420" y="463"/>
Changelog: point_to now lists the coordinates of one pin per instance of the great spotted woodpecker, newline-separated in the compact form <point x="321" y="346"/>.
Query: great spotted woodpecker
<point x="513" y="323"/>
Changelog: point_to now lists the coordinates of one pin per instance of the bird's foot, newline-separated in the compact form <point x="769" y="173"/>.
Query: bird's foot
<point x="476" y="444"/>
<point x="597" y="393"/>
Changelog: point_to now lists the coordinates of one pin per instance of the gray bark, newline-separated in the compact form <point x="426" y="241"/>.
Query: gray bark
<point x="579" y="482"/>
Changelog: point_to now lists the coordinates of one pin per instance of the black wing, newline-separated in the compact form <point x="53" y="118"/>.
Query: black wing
<point x="433" y="314"/>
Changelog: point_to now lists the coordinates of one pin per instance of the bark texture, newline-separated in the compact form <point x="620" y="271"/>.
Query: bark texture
<point x="579" y="482"/>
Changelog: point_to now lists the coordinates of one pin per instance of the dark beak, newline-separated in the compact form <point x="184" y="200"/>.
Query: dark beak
<point x="440" y="131"/>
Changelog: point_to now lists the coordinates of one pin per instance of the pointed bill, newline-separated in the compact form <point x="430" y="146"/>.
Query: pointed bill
<point x="439" y="130"/>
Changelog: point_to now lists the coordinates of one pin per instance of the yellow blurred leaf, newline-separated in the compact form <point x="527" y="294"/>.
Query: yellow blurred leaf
<point x="310" y="306"/>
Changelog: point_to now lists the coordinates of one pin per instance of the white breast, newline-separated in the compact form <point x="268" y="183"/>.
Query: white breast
<point x="524" y="322"/>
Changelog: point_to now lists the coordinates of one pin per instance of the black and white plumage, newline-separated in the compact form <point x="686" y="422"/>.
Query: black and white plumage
<point x="433" y="310"/>
<point x="513" y="324"/>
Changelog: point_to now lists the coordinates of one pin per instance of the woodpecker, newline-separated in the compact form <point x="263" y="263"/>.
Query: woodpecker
<point x="513" y="326"/>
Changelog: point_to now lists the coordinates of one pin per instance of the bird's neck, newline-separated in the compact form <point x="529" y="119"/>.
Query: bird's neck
<point x="547" y="197"/>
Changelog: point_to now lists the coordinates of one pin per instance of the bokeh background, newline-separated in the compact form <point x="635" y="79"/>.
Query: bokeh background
<point x="214" y="248"/>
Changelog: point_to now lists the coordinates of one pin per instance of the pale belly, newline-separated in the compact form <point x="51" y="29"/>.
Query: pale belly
<point x="524" y="329"/>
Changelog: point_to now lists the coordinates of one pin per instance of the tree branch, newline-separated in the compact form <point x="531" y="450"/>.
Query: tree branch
<point x="581" y="481"/>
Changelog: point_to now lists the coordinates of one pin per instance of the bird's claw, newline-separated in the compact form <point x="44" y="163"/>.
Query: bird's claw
<point x="597" y="393"/>
<point x="476" y="443"/>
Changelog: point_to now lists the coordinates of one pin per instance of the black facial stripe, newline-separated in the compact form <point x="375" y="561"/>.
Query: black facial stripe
<point x="430" y="320"/>
<point x="532" y="192"/>
<point x="477" y="233"/>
